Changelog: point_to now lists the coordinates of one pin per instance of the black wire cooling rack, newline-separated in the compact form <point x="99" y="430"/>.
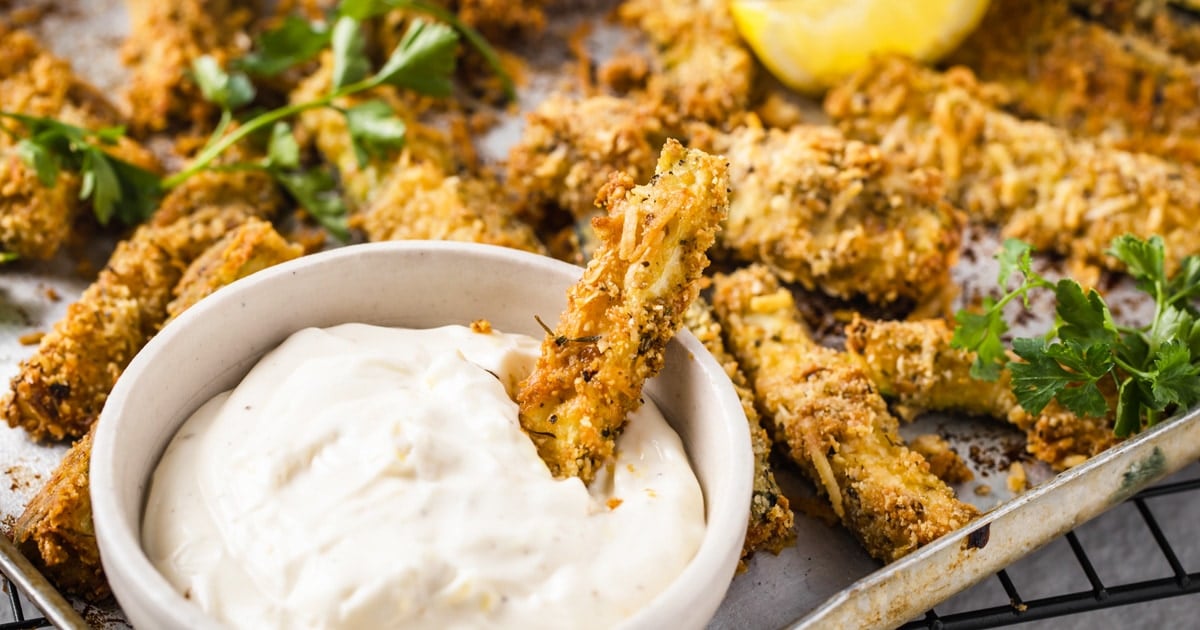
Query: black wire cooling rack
<point x="1099" y="596"/>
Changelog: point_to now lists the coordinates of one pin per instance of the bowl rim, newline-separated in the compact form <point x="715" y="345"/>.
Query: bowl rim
<point x="121" y="550"/>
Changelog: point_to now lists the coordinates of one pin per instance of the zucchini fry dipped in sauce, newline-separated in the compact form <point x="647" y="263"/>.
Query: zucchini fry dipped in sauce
<point x="771" y="517"/>
<point x="914" y="363"/>
<point x="39" y="206"/>
<point x="836" y="425"/>
<point x="619" y="317"/>
<point x="1044" y="186"/>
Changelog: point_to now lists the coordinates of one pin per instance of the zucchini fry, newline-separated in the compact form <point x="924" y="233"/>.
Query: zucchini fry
<point x="1122" y="90"/>
<point x="36" y="219"/>
<point x="1055" y="191"/>
<point x="836" y="425"/>
<point x="771" y="517"/>
<point x="837" y="215"/>
<point x="55" y="531"/>
<point x="703" y="67"/>
<point x="59" y="391"/>
<point x="913" y="363"/>
<point x="165" y="37"/>
<point x="621" y="314"/>
<point x="1164" y="22"/>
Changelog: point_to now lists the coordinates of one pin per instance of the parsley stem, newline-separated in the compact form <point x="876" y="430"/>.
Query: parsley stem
<point x="215" y="149"/>
<point x="1132" y="370"/>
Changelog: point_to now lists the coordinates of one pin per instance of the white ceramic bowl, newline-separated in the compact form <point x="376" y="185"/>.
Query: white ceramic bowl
<point x="413" y="284"/>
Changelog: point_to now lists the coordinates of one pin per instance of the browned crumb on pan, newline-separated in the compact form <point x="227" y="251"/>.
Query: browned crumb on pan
<point x="1017" y="481"/>
<point x="165" y="37"/>
<point x="944" y="461"/>
<point x="834" y="422"/>
<point x="619" y="317"/>
<point x="55" y="531"/>
<point x="771" y="518"/>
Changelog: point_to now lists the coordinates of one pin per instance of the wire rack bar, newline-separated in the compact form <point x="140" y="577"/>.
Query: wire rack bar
<point x="16" y="609"/>
<point x="1099" y="597"/>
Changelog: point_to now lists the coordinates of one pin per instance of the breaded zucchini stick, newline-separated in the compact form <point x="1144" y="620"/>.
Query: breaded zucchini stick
<point x="59" y="391"/>
<point x="165" y="37"/>
<point x="912" y="362"/>
<point x="1057" y="192"/>
<point x="834" y="422"/>
<point x="419" y="201"/>
<point x="415" y="194"/>
<point x="703" y="67"/>
<point x="837" y="215"/>
<point x="570" y="147"/>
<point x="35" y="219"/>
<point x="771" y="517"/>
<point x="1123" y="90"/>
<point x="55" y="531"/>
<point x="250" y="247"/>
<point x="631" y="300"/>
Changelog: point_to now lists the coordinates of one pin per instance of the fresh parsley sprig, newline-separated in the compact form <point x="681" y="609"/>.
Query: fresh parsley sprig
<point x="297" y="40"/>
<point x="1154" y="368"/>
<point x="115" y="187"/>
<point x="423" y="61"/>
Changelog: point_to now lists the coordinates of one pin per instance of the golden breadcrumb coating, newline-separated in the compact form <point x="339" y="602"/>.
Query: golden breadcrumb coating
<point x="55" y="531"/>
<point x="771" y="517"/>
<point x="36" y="219"/>
<point x="1055" y="191"/>
<point x="1122" y="89"/>
<point x="59" y="391"/>
<point x="570" y="147"/>
<point x="419" y="201"/>
<point x="837" y="215"/>
<point x="913" y="362"/>
<point x="621" y="314"/>
<point x="250" y="247"/>
<point x="702" y="67"/>
<point x="1163" y="22"/>
<point x="834" y="422"/>
<point x="944" y="461"/>
<point x="165" y="37"/>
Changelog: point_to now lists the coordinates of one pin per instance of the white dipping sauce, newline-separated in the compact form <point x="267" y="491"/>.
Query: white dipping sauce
<point x="367" y="477"/>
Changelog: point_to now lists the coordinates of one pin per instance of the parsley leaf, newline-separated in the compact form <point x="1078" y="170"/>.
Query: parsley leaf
<point x="424" y="60"/>
<point x="229" y="90"/>
<point x="374" y="129"/>
<point x="7" y="257"/>
<point x="115" y="188"/>
<point x="317" y="193"/>
<point x="282" y="149"/>
<point x="1156" y="366"/>
<point x="294" y="41"/>
<point x="350" y="63"/>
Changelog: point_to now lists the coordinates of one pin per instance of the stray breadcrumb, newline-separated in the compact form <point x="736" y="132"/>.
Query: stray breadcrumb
<point x="1017" y="481"/>
<point x="481" y="326"/>
<point x="944" y="461"/>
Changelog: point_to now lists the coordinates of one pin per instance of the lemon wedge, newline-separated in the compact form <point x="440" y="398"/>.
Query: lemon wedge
<point x="810" y="44"/>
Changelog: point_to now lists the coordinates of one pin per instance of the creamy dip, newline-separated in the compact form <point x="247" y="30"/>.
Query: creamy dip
<point x="367" y="477"/>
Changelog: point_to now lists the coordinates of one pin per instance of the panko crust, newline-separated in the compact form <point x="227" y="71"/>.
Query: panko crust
<point x="629" y="303"/>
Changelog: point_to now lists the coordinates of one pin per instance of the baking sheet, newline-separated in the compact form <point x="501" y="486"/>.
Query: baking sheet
<point x="826" y="578"/>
